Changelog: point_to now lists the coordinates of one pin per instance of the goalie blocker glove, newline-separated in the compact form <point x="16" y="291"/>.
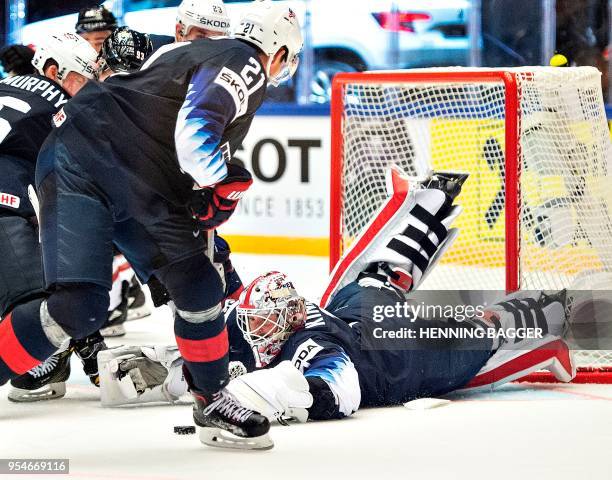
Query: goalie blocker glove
<point x="213" y="206"/>
<point x="278" y="393"/>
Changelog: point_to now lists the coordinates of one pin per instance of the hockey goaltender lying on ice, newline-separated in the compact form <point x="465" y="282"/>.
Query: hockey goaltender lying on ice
<point x="291" y="359"/>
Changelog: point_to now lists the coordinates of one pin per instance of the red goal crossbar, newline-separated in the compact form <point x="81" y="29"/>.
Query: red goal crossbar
<point x="511" y="152"/>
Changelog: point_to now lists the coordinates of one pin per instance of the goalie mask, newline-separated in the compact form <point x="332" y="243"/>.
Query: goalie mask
<point x="269" y="310"/>
<point x="125" y="50"/>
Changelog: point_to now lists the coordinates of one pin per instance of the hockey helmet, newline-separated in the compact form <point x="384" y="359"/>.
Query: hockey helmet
<point x="268" y="311"/>
<point x="270" y="27"/>
<point x="207" y="14"/>
<point x="71" y="52"/>
<point x="125" y="50"/>
<point x="95" y="19"/>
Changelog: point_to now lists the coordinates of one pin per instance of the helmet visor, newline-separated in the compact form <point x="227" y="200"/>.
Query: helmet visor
<point x="288" y="70"/>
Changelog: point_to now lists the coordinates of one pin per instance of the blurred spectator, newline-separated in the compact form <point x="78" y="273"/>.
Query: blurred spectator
<point x="95" y="24"/>
<point x="44" y="9"/>
<point x="582" y="30"/>
<point x="17" y="60"/>
<point x="511" y="31"/>
<point x="3" y="22"/>
<point x="582" y="33"/>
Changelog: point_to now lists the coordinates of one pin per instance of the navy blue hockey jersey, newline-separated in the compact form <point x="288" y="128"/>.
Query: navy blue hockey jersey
<point x="330" y="347"/>
<point x="175" y="122"/>
<point x="158" y="41"/>
<point x="27" y="105"/>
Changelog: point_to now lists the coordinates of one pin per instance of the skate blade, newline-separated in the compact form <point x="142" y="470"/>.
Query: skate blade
<point x="138" y="313"/>
<point x="215" y="437"/>
<point x="113" y="331"/>
<point x="48" y="392"/>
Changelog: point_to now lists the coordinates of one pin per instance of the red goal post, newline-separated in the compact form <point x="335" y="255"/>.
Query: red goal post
<point x="512" y="165"/>
<point x="534" y="130"/>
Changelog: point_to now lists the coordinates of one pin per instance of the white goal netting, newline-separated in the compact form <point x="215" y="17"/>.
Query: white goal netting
<point x="559" y="162"/>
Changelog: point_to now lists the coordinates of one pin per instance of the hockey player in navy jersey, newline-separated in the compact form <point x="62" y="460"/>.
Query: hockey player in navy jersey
<point x="47" y="381"/>
<point x="308" y="361"/>
<point x="142" y="160"/>
<point x="124" y="51"/>
<point x="340" y="363"/>
<point x="64" y="64"/>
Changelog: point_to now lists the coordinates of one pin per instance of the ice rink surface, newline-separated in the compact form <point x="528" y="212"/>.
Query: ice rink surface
<point x="518" y="432"/>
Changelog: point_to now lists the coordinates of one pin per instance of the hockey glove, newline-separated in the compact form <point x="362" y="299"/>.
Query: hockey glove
<point x="141" y="375"/>
<point x="278" y="393"/>
<point x="213" y="206"/>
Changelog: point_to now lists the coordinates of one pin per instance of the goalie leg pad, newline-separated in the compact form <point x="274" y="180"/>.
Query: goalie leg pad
<point x="405" y="237"/>
<point x="549" y="353"/>
<point x="527" y="355"/>
<point x="528" y="310"/>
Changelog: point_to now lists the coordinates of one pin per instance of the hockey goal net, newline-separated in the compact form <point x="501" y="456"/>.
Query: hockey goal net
<point x="535" y="141"/>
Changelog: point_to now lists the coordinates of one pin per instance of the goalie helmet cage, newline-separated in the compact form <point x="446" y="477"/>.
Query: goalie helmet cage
<point x="536" y="144"/>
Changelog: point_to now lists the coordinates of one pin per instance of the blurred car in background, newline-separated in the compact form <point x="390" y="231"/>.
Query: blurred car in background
<point x="347" y="35"/>
<point x="356" y="35"/>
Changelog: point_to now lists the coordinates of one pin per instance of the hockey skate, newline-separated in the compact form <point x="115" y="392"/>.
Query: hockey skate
<point x="137" y="307"/>
<point x="114" y="326"/>
<point x="87" y="350"/>
<point x="225" y="423"/>
<point x="45" y="381"/>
